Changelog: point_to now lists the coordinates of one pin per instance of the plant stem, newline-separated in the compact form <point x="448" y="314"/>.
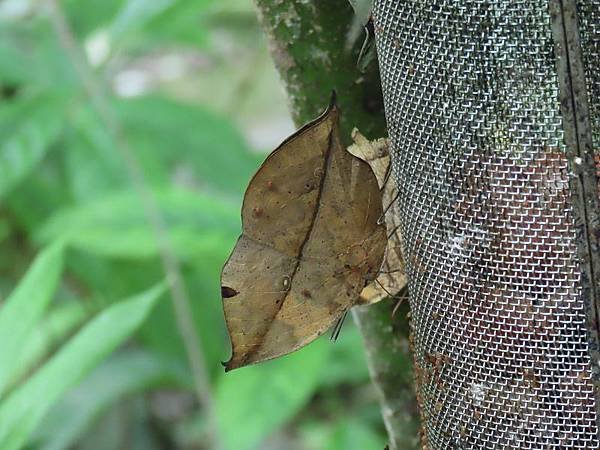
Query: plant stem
<point x="390" y="365"/>
<point x="170" y="263"/>
<point x="309" y="43"/>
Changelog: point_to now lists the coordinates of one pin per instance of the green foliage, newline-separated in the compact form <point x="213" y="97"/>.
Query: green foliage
<point x="50" y="332"/>
<point x="72" y="354"/>
<point x="348" y="433"/>
<point x="24" y="407"/>
<point x="116" y="225"/>
<point x="28" y="130"/>
<point x="189" y="136"/>
<point x="24" y="307"/>
<point x="344" y="354"/>
<point x="271" y="397"/>
<point x="123" y="374"/>
<point x="172" y="21"/>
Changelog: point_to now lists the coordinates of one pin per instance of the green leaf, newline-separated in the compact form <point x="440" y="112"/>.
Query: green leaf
<point x="21" y="412"/>
<point x="346" y="433"/>
<point x="27" y="132"/>
<point x="253" y="402"/>
<point x="175" y="21"/>
<point x="160" y="330"/>
<point x="347" y="363"/>
<point x="25" y="306"/>
<point x="182" y="23"/>
<point x="111" y="236"/>
<point x="85" y="17"/>
<point x="36" y="199"/>
<point x="13" y="64"/>
<point x="188" y="136"/>
<point x="93" y="165"/>
<point x="135" y="14"/>
<point x="123" y="374"/>
<point x="117" y="226"/>
<point x="31" y="55"/>
<point x="46" y="336"/>
<point x="41" y="181"/>
<point x="172" y="141"/>
<point x="352" y="434"/>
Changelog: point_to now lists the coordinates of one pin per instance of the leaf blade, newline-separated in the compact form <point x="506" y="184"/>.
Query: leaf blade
<point x="116" y="225"/>
<point x="26" y="406"/>
<point x="125" y="373"/>
<point x="49" y="333"/>
<point x="25" y="306"/>
<point x="247" y="412"/>
<point x="36" y="126"/>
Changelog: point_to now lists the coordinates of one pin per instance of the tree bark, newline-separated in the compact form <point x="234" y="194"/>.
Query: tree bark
<point x="310" y="44"/>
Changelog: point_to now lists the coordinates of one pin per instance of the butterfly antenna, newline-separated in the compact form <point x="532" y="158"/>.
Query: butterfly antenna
<point x="386" y="178"/>
<point x="383" y="287"/>
<point x="381" y="218"/>
<point x="400" y="300"/>
<point x="394" y="231"/>
<point x="387" y="272"/>
<point x="338" y="328"/>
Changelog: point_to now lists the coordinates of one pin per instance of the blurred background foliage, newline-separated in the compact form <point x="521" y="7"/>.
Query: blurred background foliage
<point x="91" y="355"/>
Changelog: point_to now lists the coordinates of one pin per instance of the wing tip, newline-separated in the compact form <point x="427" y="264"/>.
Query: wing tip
<point x="233" y="363"/>
<point x="333" y="100"/>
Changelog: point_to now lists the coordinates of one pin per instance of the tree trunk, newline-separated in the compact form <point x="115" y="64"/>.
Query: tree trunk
<point x="309" y="42"/>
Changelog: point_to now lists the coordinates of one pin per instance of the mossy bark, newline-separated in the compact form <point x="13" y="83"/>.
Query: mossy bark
<point x="312" y="49"/>
<point x="309" y="42"/>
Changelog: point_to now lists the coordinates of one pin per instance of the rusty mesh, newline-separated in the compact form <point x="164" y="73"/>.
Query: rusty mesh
<point x="500" y="332"/>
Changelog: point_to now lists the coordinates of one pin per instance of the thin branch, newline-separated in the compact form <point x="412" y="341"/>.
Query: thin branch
<point x="387" y="349"/>
<point x="170" y="263"/>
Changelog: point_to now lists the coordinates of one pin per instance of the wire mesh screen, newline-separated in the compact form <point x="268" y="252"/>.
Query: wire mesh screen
<point x="500" y="325"/>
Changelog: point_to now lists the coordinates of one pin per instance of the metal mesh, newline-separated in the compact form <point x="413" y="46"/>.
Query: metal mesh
<point x="499" y="326"/>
